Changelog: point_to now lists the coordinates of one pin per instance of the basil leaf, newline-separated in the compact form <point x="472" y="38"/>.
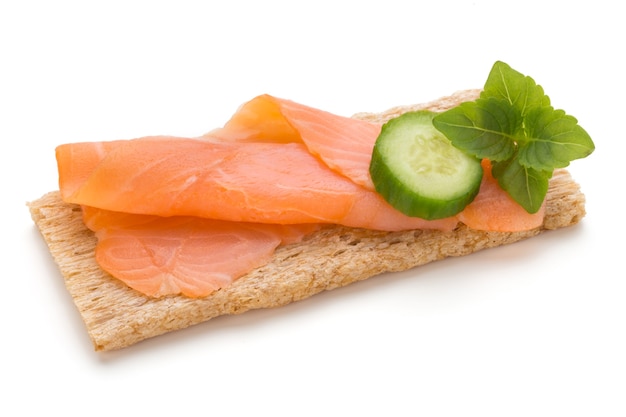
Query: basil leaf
<point x="513" y="125"/>
<point x="521" y="92"/>
<point x="553" y="139"/>
<point x="527" y="186"/>
<point x="484" y="128"/>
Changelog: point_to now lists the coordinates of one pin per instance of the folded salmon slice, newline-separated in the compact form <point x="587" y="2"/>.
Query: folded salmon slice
<point x="344" y="144"/>
<point x="278" y="183"/>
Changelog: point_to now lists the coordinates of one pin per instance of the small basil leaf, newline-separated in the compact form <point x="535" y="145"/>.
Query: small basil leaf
<point x="484" y="128"/>
<point x="527" y="186"/>
<point x="518" y="90"/>
<point x="553" y="139"/>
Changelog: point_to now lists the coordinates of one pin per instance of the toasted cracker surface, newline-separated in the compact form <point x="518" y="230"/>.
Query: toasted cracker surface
<point x="117" y="316"/>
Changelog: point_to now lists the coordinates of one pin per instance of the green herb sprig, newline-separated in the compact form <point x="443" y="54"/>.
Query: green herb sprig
<point x="514" y="126"/>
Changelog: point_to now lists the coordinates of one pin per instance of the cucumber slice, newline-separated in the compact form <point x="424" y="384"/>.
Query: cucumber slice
<point x="418" y="170"/>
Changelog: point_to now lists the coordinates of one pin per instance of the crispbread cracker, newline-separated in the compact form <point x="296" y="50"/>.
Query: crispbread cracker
<point x="117" y="316"/>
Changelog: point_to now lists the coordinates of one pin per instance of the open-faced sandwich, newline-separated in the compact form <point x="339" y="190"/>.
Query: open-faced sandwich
<point x="284" y="201"/>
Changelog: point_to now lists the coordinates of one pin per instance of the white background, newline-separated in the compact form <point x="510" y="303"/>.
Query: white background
<point x="532" y="329"/>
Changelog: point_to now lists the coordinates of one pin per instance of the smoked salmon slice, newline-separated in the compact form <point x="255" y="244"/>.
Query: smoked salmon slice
<point x="345" y="145"/>
<point x="161" y="256"/>
<point x="247" y="181"/>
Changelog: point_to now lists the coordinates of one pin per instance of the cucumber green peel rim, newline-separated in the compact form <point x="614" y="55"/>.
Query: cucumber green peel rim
<point x="419" y="172"/>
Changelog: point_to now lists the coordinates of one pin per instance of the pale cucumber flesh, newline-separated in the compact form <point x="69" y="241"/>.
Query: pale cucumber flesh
<point x="419" y="172"/>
